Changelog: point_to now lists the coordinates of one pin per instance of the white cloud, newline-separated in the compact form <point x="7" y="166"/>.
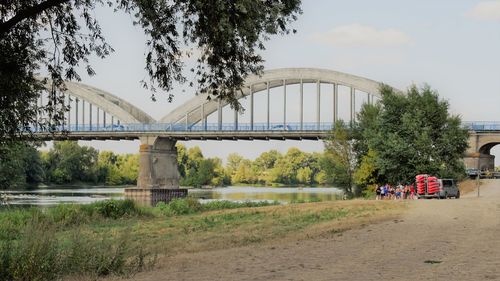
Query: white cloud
<point x="486" y="10"/>
<point x="357" y="35"/>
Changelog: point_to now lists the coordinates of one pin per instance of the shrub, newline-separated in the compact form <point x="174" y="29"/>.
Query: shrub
<point x="69" y="214"/>
<point x="184" y="206"/>
<point x="115" y="209"/>
<point x="34" y="256"/>
<point x="39" y="253"/>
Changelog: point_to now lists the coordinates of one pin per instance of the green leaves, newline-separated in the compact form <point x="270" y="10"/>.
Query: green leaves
<point x="59" y="36"/>
<point x="412" y="134"/>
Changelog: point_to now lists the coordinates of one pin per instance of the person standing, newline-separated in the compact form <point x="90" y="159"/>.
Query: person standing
<point x="378" y="191"/>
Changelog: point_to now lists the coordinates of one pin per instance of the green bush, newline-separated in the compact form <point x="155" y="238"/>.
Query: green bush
<point x="35" y="255"/>
<point x="115" y="209"/>
<point x="184" y="206"/>
<point x="69" y="214"/>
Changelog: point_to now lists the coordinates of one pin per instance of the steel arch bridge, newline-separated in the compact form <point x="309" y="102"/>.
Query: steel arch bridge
<point x="98" y="115"/>
<point x="109" y="117"/>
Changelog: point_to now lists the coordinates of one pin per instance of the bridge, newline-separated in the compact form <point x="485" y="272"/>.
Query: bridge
<point x="98" y="115"/>
<point x="483" y="136"/>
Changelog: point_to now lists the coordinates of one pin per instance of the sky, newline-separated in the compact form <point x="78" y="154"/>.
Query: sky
<point x="452" y="45"/>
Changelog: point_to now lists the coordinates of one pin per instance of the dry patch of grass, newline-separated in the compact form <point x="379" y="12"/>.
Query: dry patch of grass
<point x="239" y="227"/>
<point x="467" y="186"/>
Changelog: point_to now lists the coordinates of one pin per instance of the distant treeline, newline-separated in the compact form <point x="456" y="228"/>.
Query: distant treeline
<point x="67" y="162"/>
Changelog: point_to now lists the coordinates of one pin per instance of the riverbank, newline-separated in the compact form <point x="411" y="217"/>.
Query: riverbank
<point x="142" y="236"/>
<point x="454" y="239"/>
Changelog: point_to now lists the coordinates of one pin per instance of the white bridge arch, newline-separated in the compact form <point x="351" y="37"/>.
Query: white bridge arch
<point x="198" y="108"/>
<point x="77" y="95"/>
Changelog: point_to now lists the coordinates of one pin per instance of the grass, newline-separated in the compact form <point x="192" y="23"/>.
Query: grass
<point x="119" y="238"/>
<point x="238" y="227"/>
<point x="467" y="186"/>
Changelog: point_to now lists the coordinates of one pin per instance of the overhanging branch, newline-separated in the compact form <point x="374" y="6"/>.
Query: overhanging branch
<point x="29" y="12"/>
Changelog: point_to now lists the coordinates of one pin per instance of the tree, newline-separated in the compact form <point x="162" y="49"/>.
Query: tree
<point x="233" y="161"/>
<point x="304" y="175"/>
<point x="244" y="173"/>
<point x="68" y="162"/>
<point x="129" y="168"/>
<point x="367" y="174"/>
<point x="412" y="134"/>
<point x="182" y="159"/>
<point x="20" y="164"/>
<point x="59" y="37"/>
<point x="341" y="158"/>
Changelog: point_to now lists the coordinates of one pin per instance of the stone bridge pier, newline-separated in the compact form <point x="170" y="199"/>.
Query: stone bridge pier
<point x="158" y="179"/>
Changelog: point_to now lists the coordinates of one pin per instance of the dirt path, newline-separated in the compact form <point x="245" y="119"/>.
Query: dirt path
<point x="459" y="239"/>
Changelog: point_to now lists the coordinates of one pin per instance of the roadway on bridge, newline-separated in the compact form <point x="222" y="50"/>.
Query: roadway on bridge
<point x="461" y="236"/>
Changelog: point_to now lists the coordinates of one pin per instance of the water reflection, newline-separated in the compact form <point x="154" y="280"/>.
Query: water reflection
<point x="53" y="196"/>
<point x="49" y="196"/>
<point x="282" y="194"/>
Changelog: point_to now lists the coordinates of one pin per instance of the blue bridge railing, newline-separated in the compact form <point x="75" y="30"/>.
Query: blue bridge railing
<point x="482" y="126"/>
<point x="479" y="126"/>
<point x="179" y="127"/>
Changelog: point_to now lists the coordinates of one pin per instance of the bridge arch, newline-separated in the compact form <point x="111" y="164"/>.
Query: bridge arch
<point x="198" y="108"/>
<point x="98" y="99"/>
<point x="478" y="155"/>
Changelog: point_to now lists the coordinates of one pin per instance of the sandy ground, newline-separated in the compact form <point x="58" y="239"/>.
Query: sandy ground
<point x="432" y="240"/>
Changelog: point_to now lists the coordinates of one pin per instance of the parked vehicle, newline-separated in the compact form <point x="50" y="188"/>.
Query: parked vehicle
<point x="281" y="128"/>
<point x="432" y="187"/>
<point x="114" y="127"/>
<point x="472" y="173"/>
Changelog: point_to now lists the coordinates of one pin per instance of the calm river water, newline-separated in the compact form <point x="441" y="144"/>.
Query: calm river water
<point x="53" y="196"/>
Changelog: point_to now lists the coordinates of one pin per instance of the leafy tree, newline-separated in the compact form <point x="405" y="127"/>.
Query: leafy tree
<point x="304" y="175"/>
<point x="182" y="159"/>
<point x="414" y="133"/>
<point x="268" y="159"/>
<point x="321" y="177"/>
<point x="20" y="164"/>
<point x="59" y="36"/>
<point x="244" y="173"/>
<point x="129" y="168"/>
<point x="68" y="162"/>
<point x="233" y="161"/>
<point x="366" y="175"/>
<point x="340" y="158"/>
<point x="107" y="164"/>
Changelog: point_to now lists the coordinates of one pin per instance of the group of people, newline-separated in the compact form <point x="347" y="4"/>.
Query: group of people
<point x="387" y="191"/>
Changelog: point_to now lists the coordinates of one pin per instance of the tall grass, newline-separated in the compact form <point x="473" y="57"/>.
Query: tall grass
<point x="52" y="243"/>
<point x="192" y="206"/>
<point x="47" y="245"/>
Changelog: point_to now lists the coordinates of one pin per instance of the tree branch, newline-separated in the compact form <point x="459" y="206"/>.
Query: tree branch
<point x="28" y="13"/>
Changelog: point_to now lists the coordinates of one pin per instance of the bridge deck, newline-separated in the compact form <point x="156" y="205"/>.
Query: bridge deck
<point x="211" y="131"/>
<point x="221" y="135"/>
<point x="258" y="131"/>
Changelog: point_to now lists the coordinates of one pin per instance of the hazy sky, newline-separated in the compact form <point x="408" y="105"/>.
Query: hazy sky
<point x="453" y="45"/>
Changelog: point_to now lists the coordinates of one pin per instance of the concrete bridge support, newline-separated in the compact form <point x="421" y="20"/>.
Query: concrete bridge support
<point x="158" y="164"/>
<point x="158" y="178"/>
<point x="479" y="161"/>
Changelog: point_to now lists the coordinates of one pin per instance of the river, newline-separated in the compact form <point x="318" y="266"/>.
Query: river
<point x="80" y="195"/>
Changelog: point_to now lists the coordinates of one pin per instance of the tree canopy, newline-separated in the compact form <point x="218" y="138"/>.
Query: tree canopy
<point x="405" y="135"/>
<point x="59" y="36"/>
